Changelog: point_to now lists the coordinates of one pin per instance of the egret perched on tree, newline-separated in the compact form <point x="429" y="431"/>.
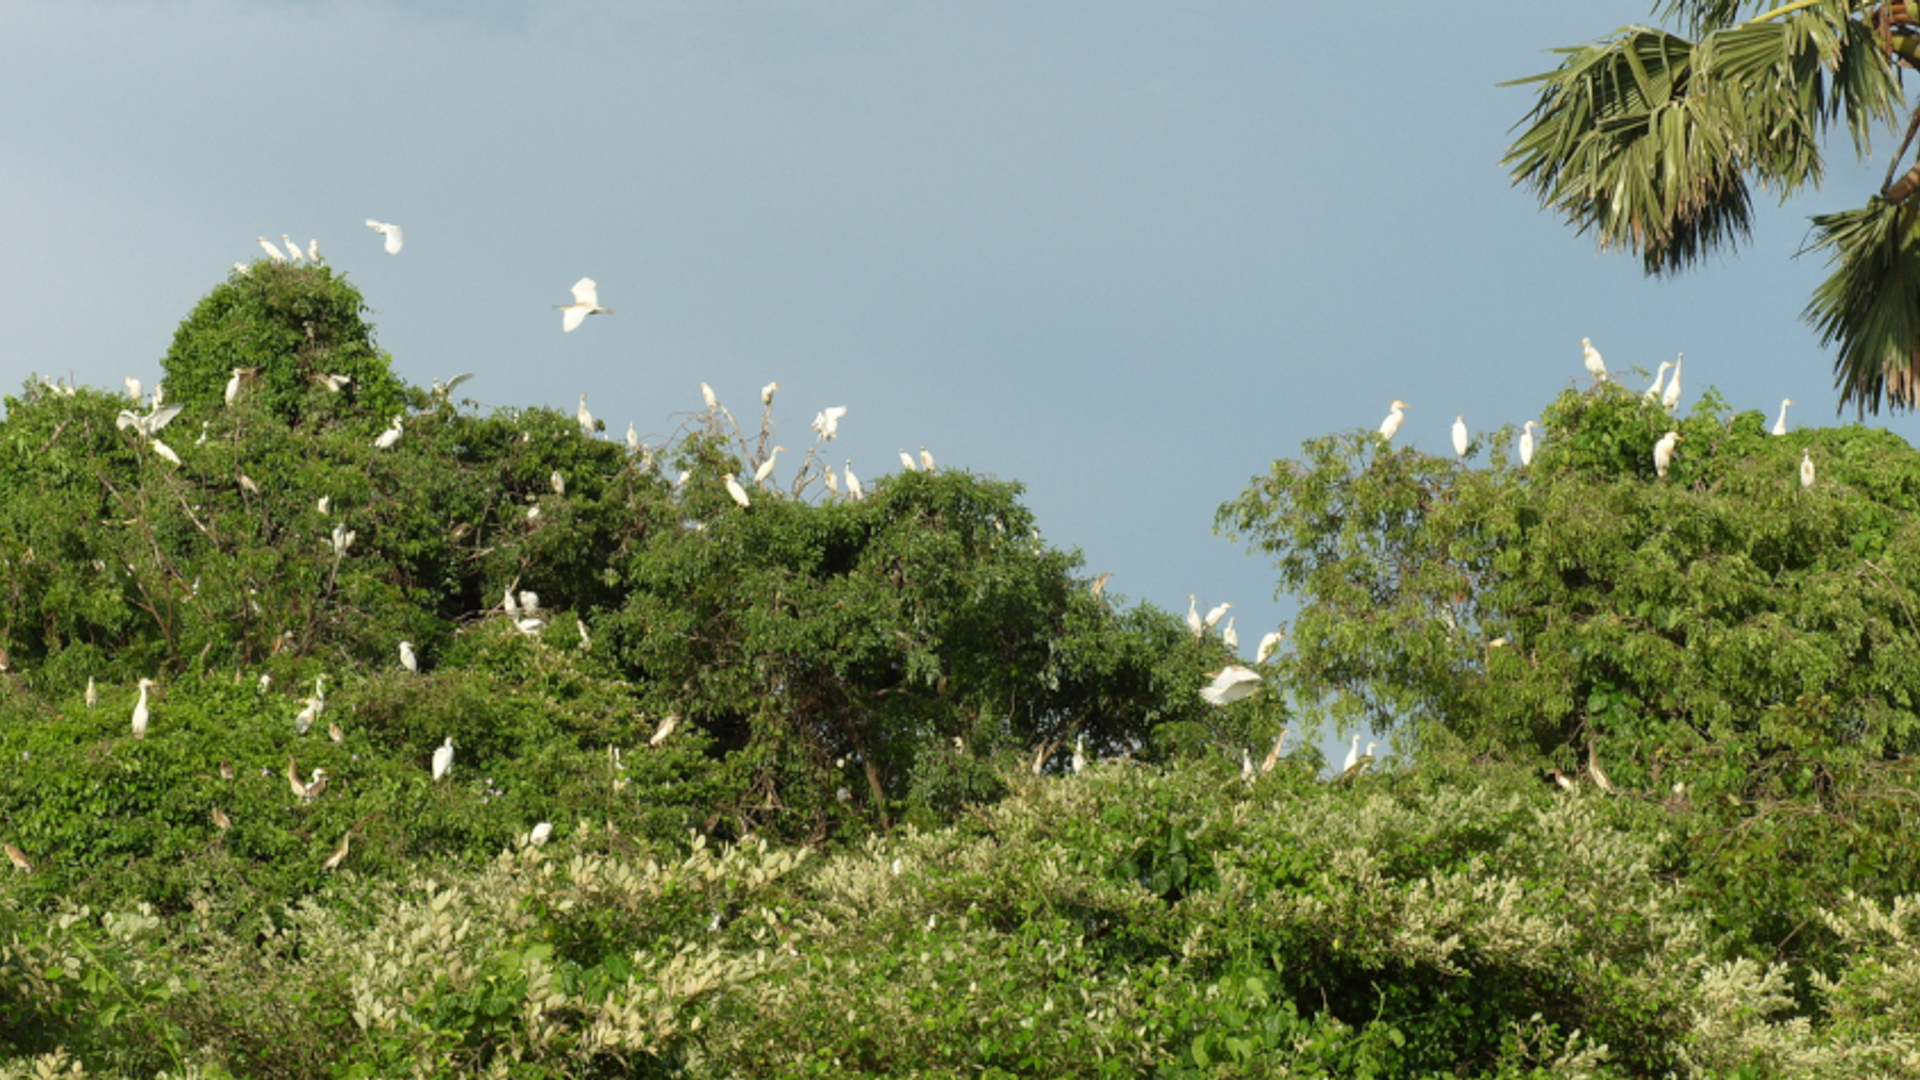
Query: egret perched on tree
<point x="1099" y="584"/>
<point x="907" y="462"/>
<point x="140" y="709"/>
<point x="1670" y="397"/>
<point x="926" y="460"/>
<point x="1395" y="417"/>
<point x="1079" y="754"/>
<point x="1526" y="442"/>
<point x="707" y="395"/>
<point x="1215" y="615"/>
<point x="391" y="232"/>
<point x="1229" y="637"/>
<point x="529" y="602"/>
<point x="530" y="627"/>
<point x="338" y="737"/>
<point x="387" y="438"/>
<point x="272" y="252"/>
<point x="1659" y="377"/>
<point x="828" y="478"/>
<point x="303" y="720"/>
<point x="827" y="421"/>
<point x="233" y="388"/>
<point x="164" y="450"/>
<point x="1193" y="617"/>
<point x="93" y="694"/>
<point x="586" y="301"/>
<point x="19" y="859"/>
<point x="1663" y="451"/>
<point x="293" y="249"/>
<point x="1353" y="754"/>
<point x="443" y="759"/>
<point x="407" y="659"/>
<point x="221" y="821"/>
<point x="588" y="426"/>
<point x="1246" y="765"/>
<point x="1230" y="684"/>
<point x="332" y="384"/>
<point x="557" y="482"/>
<point x="1596" y="366"/>
<point x="633" y="440"/>
<point x="665" y="729"/>
<point x="1806" y="468"/>
<point x="540" y="833"/>
<point x="313" y="251"/>
<point x="1268" y="642"/>
<point x="766" y="468"/>
<point x="1780" y="425"/>
<point x="734" y="489"/>
<point x="1460" y="435"/>
<point x="767" y="392"/>
<point x="340" y="853"/>
<point x="853" y="482"/>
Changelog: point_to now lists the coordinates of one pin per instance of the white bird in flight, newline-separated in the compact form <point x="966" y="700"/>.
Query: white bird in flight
<point x="1780" y="425"/>
<point x="391" y="232"/>
<point x="827" y="421"/>
<point x="586" y="301"/>
<point x="1663" y="452"/>
<point x="1231" y="684"/>
<point x="1596" y="367"/>
<point x="149" y="425"/>
<point x="1395" y="416"/>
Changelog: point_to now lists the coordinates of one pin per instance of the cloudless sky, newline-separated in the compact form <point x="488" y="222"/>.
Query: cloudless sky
<point x="1128" y="254"/>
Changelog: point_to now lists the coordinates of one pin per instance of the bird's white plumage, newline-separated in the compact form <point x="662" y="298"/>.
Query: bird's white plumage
<point x="586" y="301"/>
<point x="140" y="710"/>
<point x="853" y="482"/>
<point x="1663" y="452"/>
<point x="443" y="759"/>
<point x="391" y="232"/>
<point x="387" y="438"/>
<point x="1596" y="366"/>
<point x="734" y="489"/>
<point x="1670" y="397"/>
<point x="272" y="252"/>
<point x="407" y="659"/>
<point x="1268" y="643"/>
<point x="1780" y="425"/>
<point x="1231" y="684"/>
<point x="1396" y="415"/>
<point x="587" y="425"/>
<point x="1460" y="435"/>
<point x="1353" y="755"/>
<point x="1659" y="377"/>
<point x="1526" y="442"/>
<point x="827" y="421"/>
<point x="540" y="833"/>
<point x="1806" y="468"/>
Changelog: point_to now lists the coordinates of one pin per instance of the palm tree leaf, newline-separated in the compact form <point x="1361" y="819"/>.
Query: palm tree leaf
<point x="1870" y="304"/>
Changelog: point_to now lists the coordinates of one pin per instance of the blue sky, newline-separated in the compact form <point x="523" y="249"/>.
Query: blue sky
<point x="1125" y="253"/>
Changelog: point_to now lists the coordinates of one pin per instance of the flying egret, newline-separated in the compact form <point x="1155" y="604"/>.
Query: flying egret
<point x="586" y="301"/>
<point x="221" y="821"/>
<point x="926" y="460"/>
<point x="140" y="709"/>
<point x="407" y="659"/>
<point x="707" y="395"/>
<point x="665" y="729"/>
<point x="272" y="252"/>
<point x="1460" y="435"/>
<point x="540" y="833"/>
<point x="734" y="489"/>
<point x="1269" y="642"/>
<point x="303" y="720"/>
<point x="588" y="426"/>
<point x="1395" y="416"/>
<point x="1663" y="451"/>
<point x="1591" y="357"/>
<point x="1353" y="754"/>
<point x="340" y="853"/>
<point x="767" y="392"/>
<point x="1079" y="754"/>
<point x="293" y="249"/>
<point x="1653" y="392"/>
<point x="19" y="859"/>
<point x="827" y="421"/>
<point x="1526" y="442"/>
<point x="557" y="482"/>
<point x="387" y="438"/>
<point x="1193" y="618"/>
<point x="766" y="468"/>
<point x="1230" y="684"/>
<point x="1230" y="638"/>
<point x="1806" y="468"/>
<point x="391" y="232"/>
<point x="150" y="424"/>
<point x="1780" y="425"/>
<point x="1215" y="615"/>
<point x="907" y="462"/>
<point x="853" y="482"/>
<point x="1670" y="397"/>
<point x="443" y="759"/>
<point x="93" y="694"/>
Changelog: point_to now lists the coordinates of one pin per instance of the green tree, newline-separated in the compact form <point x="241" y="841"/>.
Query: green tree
<point x="1654" y="141"/>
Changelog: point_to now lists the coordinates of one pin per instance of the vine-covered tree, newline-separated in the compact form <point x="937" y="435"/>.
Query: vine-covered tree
<point x="1654" y="140"/>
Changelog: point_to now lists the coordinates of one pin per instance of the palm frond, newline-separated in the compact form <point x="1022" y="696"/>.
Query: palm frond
<point x="1870" y="304"/>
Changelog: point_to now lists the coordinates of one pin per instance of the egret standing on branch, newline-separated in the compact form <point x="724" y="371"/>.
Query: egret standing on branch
<point x="407" y="659"/>
<point x="1670" y="398"/>
<point x="1596" y="367"/>
<point x="443" y="759"/>
<point x="734" y="489"/>
<point x="140" y="709"/>
<point x="1806" y="468"/>
<point x="586" y="301"/>
<point x="386" y="439"/>
<point x="1526" y="442"/>
<point x="272" y="252"/>
<point x="1663" y="452"/>
<point x="1460" y="435"/>
<point x="1395" y="416"/>
<point x="588" y="426"/>
<point x="1780" y="425"/>
<point x="1659" y="377"/>
<point x="827" y="421"/>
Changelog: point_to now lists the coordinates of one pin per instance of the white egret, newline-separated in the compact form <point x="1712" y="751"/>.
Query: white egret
<point x="707" y="395"/>
<point x="140" y="709"/>
<point x="529" y="602"/>
<point x="1460" y="435"/>
<point x="1670" y="397"/>
<point x="303" y="720"/>
<point x="443" y="390"/>
<point x="587" y="425"/>
<point x="766" y="468"/>
<point x="926" y="460"/>
<point x="407" y="659"/>
<point x="1216" y="615"/>
<point x="530" y="627"/>
<point x="1246" y="765"/>
<point x="391" y="232"/>
<point x="1562" y="779"/>
<point x="907" y="462"/>
<point x="510" y="605"/>
<point x="557" y="482"/>
<point x="734" y="489"/>
<point x="221" y="821"/>
<point x="272" y="252"/>
<point x="341" y="540"/>
<point x="1780" y="425"/>
<point x="1806" y="468"/>
<point x="1594" y="771"/>
<point x="164" y="451"/>
<point x="324" y="502"/>
<point x="1193" y="618"/>
<point x="233" y="388"/>
<point x="1526" y="442"/>
<point x="387" y="438"/>
<point x="1663" y="451"/>
<point x="334" y="733"/>
<point x="1396" y="415"/>
<point x="540" y="833"/>
<point x="532" y="512"/>
<point x="1273" y="755"/>
<point x="332" y="384"/>
<point x="1353" y="755"/>
<point x="827" y="477"/>
<point x="313" y="251"/>
<point x="1230" y="684"/>
<point x="134" y="389"/>
<point x="767" y="392"/>
<point x="1596" y="366"/>
<point x="633" y="440"/>
<point x="247" y="485"/>
<point x="665" y="729"/>
<point x="266" y="680"/>
<point x="1229" y="637"/>
<point x="93" y="694"/>
<point x="1268" y="643"/>
<point x="19" y="859"/>
<point x="586" y="639"/>
<point x="827" y="421"/>
<point x="340" y="853"/>
<point x="293" y="249"/>
<point x="1079" y="754"/>
<point x="443" y="759"/>
<point x="150" y="424"/>
<point x="1099" y="584"/>
<point x="853" y="482"/>
<point x="586" y="301"/>
<point x="1653" y="392"/>
<point x="243" y="269"/>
